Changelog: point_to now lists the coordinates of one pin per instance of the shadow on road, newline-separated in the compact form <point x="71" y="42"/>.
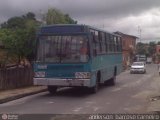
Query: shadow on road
<point x="76" y="92"/>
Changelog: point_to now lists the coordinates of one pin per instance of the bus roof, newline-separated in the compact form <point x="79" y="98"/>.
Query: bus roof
<point x="68" y="28"/>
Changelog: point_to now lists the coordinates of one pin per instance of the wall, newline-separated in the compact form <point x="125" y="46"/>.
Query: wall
<point x="158" y="49"/>
<point x="128" y="49"/>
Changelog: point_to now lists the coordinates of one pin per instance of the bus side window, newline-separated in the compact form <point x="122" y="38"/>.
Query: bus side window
<point x="103" y="43"/>
<point x="106" y="41"/>
<point x="84" y="52"/>
<point x="110" y="43"/>
<point x="96" y="44"/>
<point x="115" y="44"/>
<point x="119" y="44"/>
<point x="93" y="42"/>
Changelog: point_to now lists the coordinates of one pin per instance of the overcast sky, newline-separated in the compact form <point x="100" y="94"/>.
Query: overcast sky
<point x="112" y="15"/>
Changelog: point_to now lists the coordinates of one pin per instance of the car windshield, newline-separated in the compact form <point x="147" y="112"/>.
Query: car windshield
<point x="62" y="49"/>
<point x="137" y="64"/>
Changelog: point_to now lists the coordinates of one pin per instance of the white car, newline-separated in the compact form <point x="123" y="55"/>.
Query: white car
<point x="138" y="67"/>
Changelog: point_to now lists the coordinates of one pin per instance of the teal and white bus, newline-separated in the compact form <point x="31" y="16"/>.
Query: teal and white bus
<point x="76" y="56"/>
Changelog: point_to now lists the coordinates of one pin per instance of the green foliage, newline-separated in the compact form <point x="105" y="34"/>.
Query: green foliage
<point x="158" y="43"/>
<point x="152" y="48"/>
<point x="147" y="49"/>
<point x="18" y="35"/>
<point x="17" y="41"/>
<point x="70" y="20"/>
<point x="14" y="23"/>
<point x="30" y="16"/>
<point x="141" y="48"/>
<point x="55" y="16"/>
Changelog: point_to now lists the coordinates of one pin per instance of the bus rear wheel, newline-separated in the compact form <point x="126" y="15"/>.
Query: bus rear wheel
<point x="112" y="81"/>
<point x="52" y="89"/>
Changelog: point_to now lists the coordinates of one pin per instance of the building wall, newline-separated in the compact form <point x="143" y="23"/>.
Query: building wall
<point x="128" y="47"/>
<point x="158" y="49"/>
<point x="157" y="54"/>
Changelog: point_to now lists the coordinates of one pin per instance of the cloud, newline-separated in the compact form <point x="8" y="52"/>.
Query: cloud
<point x="111" y="15"/>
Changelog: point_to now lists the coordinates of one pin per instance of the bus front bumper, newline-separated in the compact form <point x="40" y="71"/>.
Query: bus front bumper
<point x="62" y="82"/>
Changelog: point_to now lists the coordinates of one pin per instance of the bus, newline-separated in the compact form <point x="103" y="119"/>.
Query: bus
<point x="141" y="58"/>
<point x="76" y="56"/>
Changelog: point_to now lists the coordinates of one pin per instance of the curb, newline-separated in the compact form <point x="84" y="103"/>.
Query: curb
<point x="21" y="96"/>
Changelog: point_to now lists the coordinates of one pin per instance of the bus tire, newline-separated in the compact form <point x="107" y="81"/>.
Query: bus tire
<point x="96" y="87"/>
<point x="112" y="81"/>
<point x="52" y="89"/>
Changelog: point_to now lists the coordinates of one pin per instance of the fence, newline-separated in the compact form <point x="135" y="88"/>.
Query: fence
<point x="15" y="77"/>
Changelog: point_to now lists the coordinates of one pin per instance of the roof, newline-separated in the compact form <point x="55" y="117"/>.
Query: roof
<point x="122" y="34"/>
<point x="75" y="28"/>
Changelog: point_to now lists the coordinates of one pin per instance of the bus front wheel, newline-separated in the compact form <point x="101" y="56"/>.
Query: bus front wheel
<point x="94" y="89"/>
<point x="97" y="85"/>
<point x="52" y="89"/>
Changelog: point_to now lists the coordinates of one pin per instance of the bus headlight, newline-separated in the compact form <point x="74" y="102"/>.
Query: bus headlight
<point x="82" y="74"/>
<point x="39" y="74"/>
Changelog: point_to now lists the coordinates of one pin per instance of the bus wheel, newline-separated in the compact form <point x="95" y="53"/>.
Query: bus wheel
<point x="52" y="89"/>
<point x="96" y="87"/>
<point x="112" y="81"/>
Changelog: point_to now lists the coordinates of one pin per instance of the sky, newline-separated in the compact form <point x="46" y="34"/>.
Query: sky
<point x="140" y="18"/>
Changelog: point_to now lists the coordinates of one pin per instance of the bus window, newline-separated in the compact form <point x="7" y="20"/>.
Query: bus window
<point x="103" y="43"/>
<point x="110" y="43"/>
<point x="107" y="42"/>
<point x="100" y="42"/>
<point x="61" y="48"/>
<point x="97" y="44"/>
<point x="115" y="44"/>
<point x="119" y="44"/>
<point x="83" y="51"/>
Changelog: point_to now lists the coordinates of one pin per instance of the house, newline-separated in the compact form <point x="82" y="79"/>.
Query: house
<point x="158" y="49"/>
<point x="157" y="54"/>
<point x="128" y="48"/>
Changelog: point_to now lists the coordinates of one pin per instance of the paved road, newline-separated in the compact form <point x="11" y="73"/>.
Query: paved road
<point x="128" y="96"/>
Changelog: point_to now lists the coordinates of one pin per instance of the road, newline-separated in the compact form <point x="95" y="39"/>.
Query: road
<point x="128" y="96"/>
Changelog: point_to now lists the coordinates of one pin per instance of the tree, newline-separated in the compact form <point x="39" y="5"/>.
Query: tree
<point x="152" y="48"/>
<point x="30" y="16"/>
<point x="16" y="42"/>
<point x="55" y="16"/>
<point x="141" y="49"/>
<point x="14" y="23"/>
<point x="18" y="35"/>
<point x="70" y="20"/>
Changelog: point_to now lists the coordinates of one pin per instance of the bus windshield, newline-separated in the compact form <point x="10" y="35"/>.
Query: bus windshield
<point x="62" y="49"/>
